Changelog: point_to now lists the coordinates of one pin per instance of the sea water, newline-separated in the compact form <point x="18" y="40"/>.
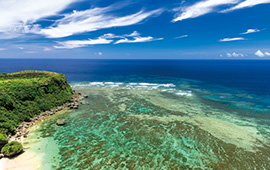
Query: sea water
<point x="158" y="115"/>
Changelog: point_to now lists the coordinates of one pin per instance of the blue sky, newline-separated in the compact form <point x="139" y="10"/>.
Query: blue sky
<point x="141" y="29"/>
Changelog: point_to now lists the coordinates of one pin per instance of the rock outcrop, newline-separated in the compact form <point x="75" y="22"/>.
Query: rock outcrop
<point x="60" y="122"/>
<point x="11" y="149"/>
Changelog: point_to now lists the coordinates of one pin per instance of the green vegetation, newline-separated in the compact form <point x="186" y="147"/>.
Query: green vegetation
<point x="28" y="93"/>
<point x="3" y="139"/>
<point x="11" y="147"/>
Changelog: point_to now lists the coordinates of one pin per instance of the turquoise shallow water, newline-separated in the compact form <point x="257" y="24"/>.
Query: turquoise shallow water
<point x="158" y="126"/>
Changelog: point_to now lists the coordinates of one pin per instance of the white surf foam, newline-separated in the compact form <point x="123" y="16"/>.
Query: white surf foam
<point x="169" y="88"/>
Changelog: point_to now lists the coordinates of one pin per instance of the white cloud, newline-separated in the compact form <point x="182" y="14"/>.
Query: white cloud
<point x="208" y="6"/>
<point x="81" y="43"/>
<point x="201" y="8"/>
<point x="182" y="36"/>
<point x="232" y="39"/>
<point x="259" y="53"/>
<point x="247" y="3"/>
<point x="110" y="36"/>
<point x="99" y="53"/>
<point x="2" y="49"/>
<point x="251" y="31"/>
<point x="234" y="54"/>
<point x="21" y="48"/>
<point x="134" y="34"/>
<point x="31" y="52"/>
<point x="106" y="39"/>
<point x="137" y="39"/>
<point x="19" y="15"/>
<point x="46" y="49"/>
<point x="267" y="53"/>
<point x="229" y="55"/>
<point x="92" y="20"/>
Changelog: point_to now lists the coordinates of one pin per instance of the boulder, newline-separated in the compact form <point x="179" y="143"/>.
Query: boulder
<point x="189" y="146"/>
<point x="25" y="134"/>
<point x="11" y="149"/>
<point x="76" y="106"/>
<point x="85" y="96"/>
<point x="60" y="122"/>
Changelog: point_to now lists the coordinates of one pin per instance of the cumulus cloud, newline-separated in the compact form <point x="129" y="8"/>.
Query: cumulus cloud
<point x="182" y="36"/>
<point x="209" y="6"/>
<point x="232" y="39"/>
<point x="247" y="3"/>
<point x="200" y="8"/>
<point x="229" y="55"/>
<point x="137" y="39"/>
<point x="92" y="20"/>
<point x="249" y="31"/>
<point x="267" y="53"/>
<point x="259" y="53"/>
<point x="81" y="43"/>
<point x="234" y="54"/>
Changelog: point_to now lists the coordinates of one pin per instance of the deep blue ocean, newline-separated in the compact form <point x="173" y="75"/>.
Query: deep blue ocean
<point x="250" y="75"/>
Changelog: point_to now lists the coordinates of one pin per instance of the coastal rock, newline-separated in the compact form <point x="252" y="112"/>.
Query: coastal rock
<point x="85" y="96"/>
<point x="76" y="106"/>
<point x="11" y="149"/>
<point x="25" y="134"/>
<point x="14" y="153"/>
<point x="109" y="162"/>
<point x="18" y="135"/>
<point x="189" y="146"/>
<point x="60" y="122"/>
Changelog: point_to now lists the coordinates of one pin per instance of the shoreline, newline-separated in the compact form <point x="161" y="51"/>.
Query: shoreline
<point x="21" y="162"/>
<point x="22" y="132"/>
<point x="29" y="158"/>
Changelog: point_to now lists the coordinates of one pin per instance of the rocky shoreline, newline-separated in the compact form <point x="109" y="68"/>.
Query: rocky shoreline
<point x="22" y="130"/>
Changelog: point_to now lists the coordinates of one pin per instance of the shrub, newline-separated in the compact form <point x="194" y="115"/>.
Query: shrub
<point x="11" y="147"/>
<point x="3" y="139"/>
